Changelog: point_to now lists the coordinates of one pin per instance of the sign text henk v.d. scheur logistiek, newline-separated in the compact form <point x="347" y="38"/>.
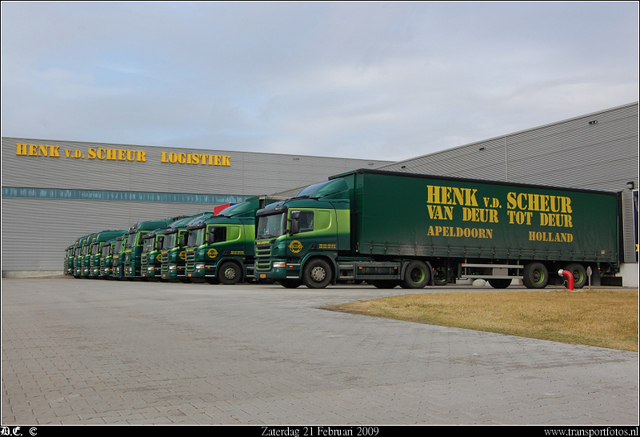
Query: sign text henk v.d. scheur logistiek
<point x="106" y="154"/>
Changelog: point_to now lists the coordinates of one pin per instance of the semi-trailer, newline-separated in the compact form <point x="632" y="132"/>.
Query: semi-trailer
<point x="390" y="228"/>
<point x="220" y="249"/>
<point x="133" y="246"/>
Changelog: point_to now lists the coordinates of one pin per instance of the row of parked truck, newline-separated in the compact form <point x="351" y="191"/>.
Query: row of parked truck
<point x="385" y="228"/>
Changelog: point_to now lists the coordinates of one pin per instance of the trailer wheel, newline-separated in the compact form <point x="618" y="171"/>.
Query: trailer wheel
<point x="317" y="273"/>
<point x="499" y="283"/>
<point x="440" y="276"/>
<point x="230" y="273"/>
<point x="579" y="274"/>
<point x="416" y="275"/>
<point x="535" y="275"/>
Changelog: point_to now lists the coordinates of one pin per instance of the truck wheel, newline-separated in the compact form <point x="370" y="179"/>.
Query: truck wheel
<point x="288" y="283"/>
<point x="416" y="275"/>
<point x="535" y="275"/>
<point x="317" y="273"/>
<point x="230" y="273"/>
<point x="579" y="274"/>
<point x="499" y="283"/>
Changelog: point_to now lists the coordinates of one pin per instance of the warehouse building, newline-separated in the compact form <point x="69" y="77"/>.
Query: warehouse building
<point x="56" y="191"/>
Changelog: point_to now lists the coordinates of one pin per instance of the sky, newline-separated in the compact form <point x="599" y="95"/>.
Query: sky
<point x="369" y="80"/>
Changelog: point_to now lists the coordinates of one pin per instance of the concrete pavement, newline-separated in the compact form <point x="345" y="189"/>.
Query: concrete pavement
<point x="80" y="351"/>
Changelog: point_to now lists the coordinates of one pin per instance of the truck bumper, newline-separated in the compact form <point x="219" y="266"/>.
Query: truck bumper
<point x="203" y="271"/>
<point x="151" y="272"/>
<point x="174" y="273"/>
<point x="280" y="270"/>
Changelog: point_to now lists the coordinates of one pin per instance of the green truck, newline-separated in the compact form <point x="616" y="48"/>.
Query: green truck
<point x="117" y="253"/>
<point x="74" y="263"/>
<point x="173" y="253"/>
<point x="83" y="257"/>
<point x="106" y="258"/>
<point x="220" y="249"/>
<point x="96" y="250"/>
<point x="69" y="254"/>
<point x="412" y="230"/>
<point x="133" y="245"/>
<point x="150" y="264"/>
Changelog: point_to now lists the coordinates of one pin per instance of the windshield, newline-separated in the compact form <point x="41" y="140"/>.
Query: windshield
<point x="95" y="249"/>
<point x="106" y="250"/>
<point x="196" y="237"/>
<point x="271" y="226"/>
<point x="169" y="241"/>
<point x="149" y="244"/>
<point x="130" y="240"/>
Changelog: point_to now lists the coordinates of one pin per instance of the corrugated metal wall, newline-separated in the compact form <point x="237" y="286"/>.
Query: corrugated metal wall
<point x="594" y="151"/>
<point x="39" y="223"/>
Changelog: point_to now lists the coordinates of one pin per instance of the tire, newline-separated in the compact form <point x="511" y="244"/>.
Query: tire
<point x="499" y="283"/>
<point x="317" y="273"/>
<point x="416" y="275"/>
<point x="288" y="283"/>
<point x="230" y="273"/>
<point x="383" y="284"/>
<point x="579" y="274"/>
<point x="535" y="275"/>
<point x="440" y="276"/>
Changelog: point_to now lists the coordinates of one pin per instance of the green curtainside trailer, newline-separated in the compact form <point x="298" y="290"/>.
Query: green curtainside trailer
<point x="412" y="230"/>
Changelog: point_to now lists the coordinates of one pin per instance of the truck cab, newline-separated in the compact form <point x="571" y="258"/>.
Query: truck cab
<point x="150" y="262"/>
<point x="313" y="225"/>
<point x="96" y="250"/>
<point x="172" y="249"/>
<point x="133" y="246"/>
<point x="220" y="249"/>
<point x="117" y="266"/>
<point x="106" y="258"/>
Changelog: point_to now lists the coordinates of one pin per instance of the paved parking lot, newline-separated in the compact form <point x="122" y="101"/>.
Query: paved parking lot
<point x="80" y="351"/>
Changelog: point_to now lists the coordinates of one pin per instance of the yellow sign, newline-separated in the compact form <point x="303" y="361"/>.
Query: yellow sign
<point x="212" y="253"/>
<point x="295" y="246"/>
<point x="195" y="158"/>
<point x="106" y="154"/>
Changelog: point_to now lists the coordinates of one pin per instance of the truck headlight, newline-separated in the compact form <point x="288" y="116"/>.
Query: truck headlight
<point x="279" y="264"/>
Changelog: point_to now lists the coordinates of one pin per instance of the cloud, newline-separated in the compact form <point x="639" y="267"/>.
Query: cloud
<point x="377" y="80"/>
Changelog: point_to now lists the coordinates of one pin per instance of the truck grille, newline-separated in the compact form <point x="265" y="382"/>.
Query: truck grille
<point x="263" y="257"/>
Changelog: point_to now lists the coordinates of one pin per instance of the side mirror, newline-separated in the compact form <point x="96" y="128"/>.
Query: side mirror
<point x="294" y="226"/>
